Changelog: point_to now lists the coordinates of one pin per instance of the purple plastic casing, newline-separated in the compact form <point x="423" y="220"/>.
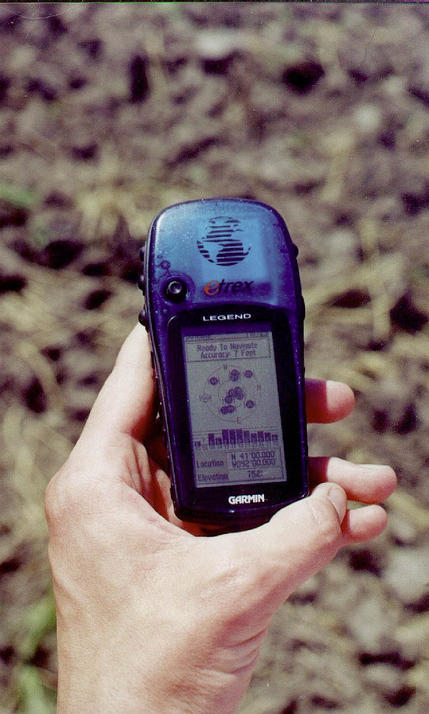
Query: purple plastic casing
<point x="230" y="254"/>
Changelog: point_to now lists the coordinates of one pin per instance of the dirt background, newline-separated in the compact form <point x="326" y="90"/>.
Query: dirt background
<point x="109" y="113"/>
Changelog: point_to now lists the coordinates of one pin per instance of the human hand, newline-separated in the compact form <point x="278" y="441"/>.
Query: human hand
<point x="150" y="617"/>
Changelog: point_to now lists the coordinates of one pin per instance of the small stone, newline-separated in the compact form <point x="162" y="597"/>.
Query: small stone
<point x="407" y="573"/>
<point x="412" y="637"/>
<point x="307" y="592"/>
<point x="370" y="623"/>
<point x="403" y="531"/>
<point x="368" y="118"/>
<point x="79" y="403"/>
<point x="384" y="678"/>
<point x="216" y="46"/>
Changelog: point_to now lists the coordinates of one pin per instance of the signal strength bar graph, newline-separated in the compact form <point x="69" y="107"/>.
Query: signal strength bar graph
<point x="236" y="438"/>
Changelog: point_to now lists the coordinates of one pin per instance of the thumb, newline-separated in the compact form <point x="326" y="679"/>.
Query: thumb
<point x="298" y="542"/>
<point x="125" y="403"/>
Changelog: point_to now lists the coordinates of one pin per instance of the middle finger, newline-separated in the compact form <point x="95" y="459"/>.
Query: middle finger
<point x="368" y="483"/>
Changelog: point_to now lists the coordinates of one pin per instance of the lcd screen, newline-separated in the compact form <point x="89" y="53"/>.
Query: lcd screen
<point x="236" y="428"/>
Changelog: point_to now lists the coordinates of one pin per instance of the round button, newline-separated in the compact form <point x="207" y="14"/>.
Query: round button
<point x="175" y="290"/>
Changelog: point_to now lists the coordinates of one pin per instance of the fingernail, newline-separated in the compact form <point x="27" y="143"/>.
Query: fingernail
<point x="338" y="499"/>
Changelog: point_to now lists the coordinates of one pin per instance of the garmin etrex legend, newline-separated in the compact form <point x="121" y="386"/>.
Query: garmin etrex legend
<point x="224" y="311"/>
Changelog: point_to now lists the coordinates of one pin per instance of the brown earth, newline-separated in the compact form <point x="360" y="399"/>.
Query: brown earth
<point x="111" y="112"/>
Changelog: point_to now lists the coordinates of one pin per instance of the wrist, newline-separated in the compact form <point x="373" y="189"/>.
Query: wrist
<point x="99" y="690"/>
<point x="99" y="680"/>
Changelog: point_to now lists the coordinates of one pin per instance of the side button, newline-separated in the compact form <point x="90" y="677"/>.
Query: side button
<point x="143" y="317"/>
<point x="142" y="283"/>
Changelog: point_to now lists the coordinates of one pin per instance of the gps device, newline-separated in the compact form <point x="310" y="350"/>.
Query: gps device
<point x="225" y="315"/>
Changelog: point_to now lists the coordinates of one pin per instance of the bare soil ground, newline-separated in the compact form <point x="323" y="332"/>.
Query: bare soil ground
<point x="110" y="112"/>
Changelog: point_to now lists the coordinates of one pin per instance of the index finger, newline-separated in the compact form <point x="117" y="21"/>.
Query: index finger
<point x="327" y="401"/>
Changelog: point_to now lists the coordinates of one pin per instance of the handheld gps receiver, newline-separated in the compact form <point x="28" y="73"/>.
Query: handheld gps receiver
<point x="225" y="316"/>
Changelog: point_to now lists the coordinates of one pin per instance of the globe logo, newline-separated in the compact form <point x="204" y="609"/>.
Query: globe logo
<point x="221" y="244"/>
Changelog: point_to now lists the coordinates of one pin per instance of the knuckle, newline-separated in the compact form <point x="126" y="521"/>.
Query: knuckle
<point x="52" y="499"/>
<point x="324" y="520"/>
<point x="66" y="496"/>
